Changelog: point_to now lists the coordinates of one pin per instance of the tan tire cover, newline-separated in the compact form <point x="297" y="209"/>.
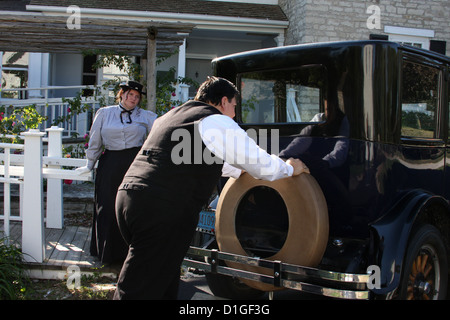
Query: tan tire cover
<point x="308" y="222"/>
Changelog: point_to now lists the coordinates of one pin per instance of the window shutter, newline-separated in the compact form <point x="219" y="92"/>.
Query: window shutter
<point x="438" y="46"/>
<point x="378" y="36"/>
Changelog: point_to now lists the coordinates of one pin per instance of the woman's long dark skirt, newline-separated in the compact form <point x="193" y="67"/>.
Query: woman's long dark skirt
<point x="106" y="240"/>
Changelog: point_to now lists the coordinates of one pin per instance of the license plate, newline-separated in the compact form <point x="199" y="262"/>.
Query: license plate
<point x="207" y="221"/>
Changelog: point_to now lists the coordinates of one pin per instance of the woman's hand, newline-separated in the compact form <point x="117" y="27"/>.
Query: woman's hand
<point x="83" y="170"/>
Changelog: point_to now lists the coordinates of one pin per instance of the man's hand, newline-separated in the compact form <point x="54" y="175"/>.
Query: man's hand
<point x="299" y="166"/>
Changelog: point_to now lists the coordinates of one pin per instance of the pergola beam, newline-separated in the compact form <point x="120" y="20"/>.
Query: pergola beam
<point x="36" y="32"/>
<point x="51" y="33"/>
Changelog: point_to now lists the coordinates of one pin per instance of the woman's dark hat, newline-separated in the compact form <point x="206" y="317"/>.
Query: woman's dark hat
<point x="132" y="85"/>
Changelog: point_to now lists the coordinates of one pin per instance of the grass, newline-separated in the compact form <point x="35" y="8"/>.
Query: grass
<point x="16" y="285"/>
<point x="13" y="279"/>
<point x="92" y="288"/>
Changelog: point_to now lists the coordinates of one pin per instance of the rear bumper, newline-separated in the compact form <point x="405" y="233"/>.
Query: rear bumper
<point x="311" y="280"/>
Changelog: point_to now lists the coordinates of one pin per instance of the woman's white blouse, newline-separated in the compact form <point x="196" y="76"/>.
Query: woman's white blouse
<point x="110" y="132"/>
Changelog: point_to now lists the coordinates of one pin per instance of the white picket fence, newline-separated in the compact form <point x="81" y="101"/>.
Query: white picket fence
<point x="29" y="169"/>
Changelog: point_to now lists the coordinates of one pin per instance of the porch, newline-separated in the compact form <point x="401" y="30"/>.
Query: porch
<point x="65" y="250"/>
<point x="64" y="247"/>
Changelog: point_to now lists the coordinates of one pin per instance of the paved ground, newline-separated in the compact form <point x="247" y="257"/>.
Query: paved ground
<point x="194" y="287"/>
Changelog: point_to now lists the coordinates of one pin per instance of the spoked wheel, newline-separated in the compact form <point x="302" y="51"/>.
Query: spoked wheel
<point x="424" y="278"/>
<point x="425" y="272"/>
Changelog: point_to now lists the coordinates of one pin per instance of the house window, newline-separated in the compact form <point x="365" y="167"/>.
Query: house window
<point x="89" y="74"/>
<point x="14" y="74"/>
<point x="411" y="41"/>
<point x="420" y="96"/>
<point x="410" y="36"/>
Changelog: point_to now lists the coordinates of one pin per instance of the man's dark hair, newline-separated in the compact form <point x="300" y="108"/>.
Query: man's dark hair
<point x="214" y="88"/>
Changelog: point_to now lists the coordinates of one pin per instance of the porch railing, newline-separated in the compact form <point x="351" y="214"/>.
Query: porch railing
<point x="29" y="169"/>
<point x="53" y="108"/>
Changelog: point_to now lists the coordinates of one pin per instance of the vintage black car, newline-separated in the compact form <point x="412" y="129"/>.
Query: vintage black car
<point x="371" y="121"/>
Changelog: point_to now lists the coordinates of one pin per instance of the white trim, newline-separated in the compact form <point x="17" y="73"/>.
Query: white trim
<point x="182" y="17"/>
<point x="413" y="40"/>
<point x="201" y="56"/>
<point x="410" y="35"/>
<point x="271" y="2"/>
<point x="409" y="31"/>
<point x="228" y="39"/>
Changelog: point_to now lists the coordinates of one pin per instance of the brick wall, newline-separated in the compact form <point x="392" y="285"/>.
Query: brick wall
<point x="334" y="20"/>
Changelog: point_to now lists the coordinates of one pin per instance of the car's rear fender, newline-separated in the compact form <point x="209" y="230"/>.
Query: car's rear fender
<point x="390" y="234"/>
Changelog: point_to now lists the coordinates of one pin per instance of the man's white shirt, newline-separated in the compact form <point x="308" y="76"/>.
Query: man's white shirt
<point x="229" y="142"/>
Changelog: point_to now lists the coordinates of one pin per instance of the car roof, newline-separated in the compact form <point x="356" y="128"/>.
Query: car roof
<point x="334" y="45"/>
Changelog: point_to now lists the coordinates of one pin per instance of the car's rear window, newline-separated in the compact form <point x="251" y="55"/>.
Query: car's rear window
<point x="282" y="96"/>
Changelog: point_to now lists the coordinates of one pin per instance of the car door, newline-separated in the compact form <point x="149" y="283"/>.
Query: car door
<point x="423" y="152"/>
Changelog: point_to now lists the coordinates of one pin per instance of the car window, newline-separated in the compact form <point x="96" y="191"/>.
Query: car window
<point x="280" y="96"/>
<point x="420" y="89"/>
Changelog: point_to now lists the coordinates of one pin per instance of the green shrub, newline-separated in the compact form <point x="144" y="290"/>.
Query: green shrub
<point x="13" y="277"/>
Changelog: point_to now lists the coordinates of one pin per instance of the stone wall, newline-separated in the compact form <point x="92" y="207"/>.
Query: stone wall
<point x="336" y="20"/>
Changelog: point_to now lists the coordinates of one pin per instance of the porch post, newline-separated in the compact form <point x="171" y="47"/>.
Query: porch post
<point x="151" y="69"/>
<point x="55" y="215"/>
<point x="182" y="60"/>
<point x="280" y="40"/>
<point x="34" y="74"/>
<point x="33" y="218"/>
<point x="182" y="88"/>
<point x="1" y="71"/>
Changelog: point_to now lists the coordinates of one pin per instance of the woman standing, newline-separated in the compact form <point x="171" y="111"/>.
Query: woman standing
<point x="116" y="136"/>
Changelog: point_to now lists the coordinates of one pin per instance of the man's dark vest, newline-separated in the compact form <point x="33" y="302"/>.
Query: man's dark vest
<point x="163" y="163"/>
